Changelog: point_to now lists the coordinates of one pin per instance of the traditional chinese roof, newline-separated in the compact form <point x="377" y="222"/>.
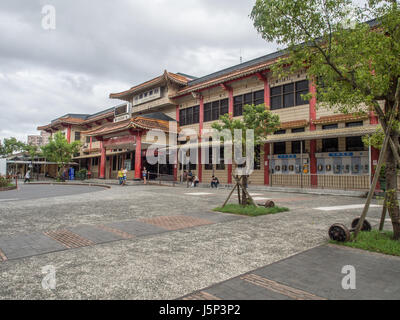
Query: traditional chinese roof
<point x="293" y="124"/>
<point x="340" y="118"/>
<point x="178" y="79"/>
<point x="139" y="122"/>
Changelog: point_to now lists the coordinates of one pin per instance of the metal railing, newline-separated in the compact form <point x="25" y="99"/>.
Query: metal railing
<point x="322" y="181"/>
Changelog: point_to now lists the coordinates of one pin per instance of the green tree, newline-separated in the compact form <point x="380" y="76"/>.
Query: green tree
<point x="33" y="152"/>
<point x="256" y="118"/>
<point x="355" y="68"/>
<point x="60" y="151"/>
<point x="10" y="146"/>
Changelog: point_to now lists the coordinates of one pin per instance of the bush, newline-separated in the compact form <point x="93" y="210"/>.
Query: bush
<point x="4" y="182"/>
<point x="81" y="174"/>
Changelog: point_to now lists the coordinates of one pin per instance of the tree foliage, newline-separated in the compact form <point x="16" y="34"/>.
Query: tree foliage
<point x="354" y="64"/>
<point x="59" y="150"/>
<point x="11" y="146"/>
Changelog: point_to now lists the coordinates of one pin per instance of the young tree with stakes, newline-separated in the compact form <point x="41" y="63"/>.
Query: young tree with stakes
<point x="262" y="123"/>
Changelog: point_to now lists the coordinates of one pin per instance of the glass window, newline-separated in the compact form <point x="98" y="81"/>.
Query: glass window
<point x="296" y="146"/>
<point x="296" y="130"/>
<point x="259" y="97"/>
<point x="280" y="148"/>
<point x="330" y="126"/>
<point x="248" y="98"/>
<point x="354" y="144"/>
<point x="207" y="112"/>
<point x="354" y="124"/>
<point x="215" y="110"/>
<point x="288" y="100"/>
<point x="196" y="114"/>
<point x="182" y="117"/>
<point x="77" y="136"/>
<point x="330" y="145"/>
<point x="189" y="116"/>
<point x="280" y="131"/>
<point x="276" y="102"/>
<point x="237" y="106"/>
<point x="224" y="106"/>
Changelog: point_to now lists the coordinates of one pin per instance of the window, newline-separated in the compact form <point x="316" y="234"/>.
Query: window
<point x="280" y="131"/>
<point x="209" y="165"/>
<point x="297" y="130"/>
<point x="296" y="146"/>
<point x="330" y="145"/>
<point x="77" y="136"/>
<point x="255" y="98"/>
<point x="224" y="107"/>
<point x="207" y="112"/>
<point x="237" y="106"/>
<point x="215" y="110"/>
<point x="87" y="139"/>
<point x="257" y="157"/>
<point x="354" y="144"/>
<point x="330" y="126"/>
<point x="221" y="164"/>
<point x="189" y="116"/>
<point x="288" y="95"/>
<point x="354" y="124"/>
<point x="95" y="161"/>
<point x="280" y="148"/>
<point x="114" y="163"/>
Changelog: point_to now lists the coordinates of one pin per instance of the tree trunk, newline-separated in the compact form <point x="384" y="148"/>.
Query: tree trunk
<point x="391" y="190"/>
<point x="244" y="195"/>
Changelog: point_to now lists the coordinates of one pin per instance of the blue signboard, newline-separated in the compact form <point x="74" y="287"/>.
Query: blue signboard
<point x="71" y="174"/>
<point x="341" y="154"/>
<point x="287" y="156"/>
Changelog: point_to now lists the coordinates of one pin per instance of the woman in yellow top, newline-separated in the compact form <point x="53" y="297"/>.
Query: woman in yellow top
<point x="120" y="176"/>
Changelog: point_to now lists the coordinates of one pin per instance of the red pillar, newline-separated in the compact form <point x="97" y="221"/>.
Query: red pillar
<point x="90" y="145"/>
<point x="69" y="134"/>
<point x="230" y="110"/>
<point x="176" y="162"/>
<point x="201" y="120"/>
<point x="373" y="119"/>
<point x="138" y="156"/>
<point x="313" y="103"/>
<point x="266" y="163"/>
<point x="313" y="163"/>
<point x="102" y="161"/>
<point x="267" y="102"/>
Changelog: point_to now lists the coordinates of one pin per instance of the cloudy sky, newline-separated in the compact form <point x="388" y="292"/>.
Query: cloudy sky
<point x="101" y="46"/>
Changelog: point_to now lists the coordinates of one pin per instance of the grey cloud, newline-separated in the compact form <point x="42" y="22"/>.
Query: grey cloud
<point x="104" y="46"/>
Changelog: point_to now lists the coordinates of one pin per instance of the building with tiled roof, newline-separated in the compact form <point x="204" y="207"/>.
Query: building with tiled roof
<point x="313" y="147"/>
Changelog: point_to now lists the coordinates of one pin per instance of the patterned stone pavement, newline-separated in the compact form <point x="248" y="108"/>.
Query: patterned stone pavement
<point x="31" y="244"/>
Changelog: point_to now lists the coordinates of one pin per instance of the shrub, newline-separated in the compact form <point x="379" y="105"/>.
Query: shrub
<point x="81" y="174"/>
<point x="4" y="182"/>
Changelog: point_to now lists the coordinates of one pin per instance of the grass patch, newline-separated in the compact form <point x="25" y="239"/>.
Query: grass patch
<point x="374" y="241"/>
<point x="252" y="211"/>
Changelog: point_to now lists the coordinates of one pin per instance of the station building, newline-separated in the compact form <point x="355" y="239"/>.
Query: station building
<point x="314" y="147"/>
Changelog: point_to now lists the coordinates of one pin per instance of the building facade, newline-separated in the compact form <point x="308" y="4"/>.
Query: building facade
<point x="314" y="147"/>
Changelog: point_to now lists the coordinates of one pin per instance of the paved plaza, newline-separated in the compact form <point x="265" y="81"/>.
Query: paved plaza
<point x="155" y="242"/>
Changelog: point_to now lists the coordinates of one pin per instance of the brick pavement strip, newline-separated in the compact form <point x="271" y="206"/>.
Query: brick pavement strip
<point x="176" y="222"/>
<point x="68" y="238"/>
<point x="119" y="233"/>
<point x="280" y="288"/>
<point x="2" y="256"/>
<point x="201" y="295"/>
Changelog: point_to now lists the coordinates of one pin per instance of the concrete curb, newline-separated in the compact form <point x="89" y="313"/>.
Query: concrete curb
<point x="8" y="188"/>
<point x="71" y="184"/>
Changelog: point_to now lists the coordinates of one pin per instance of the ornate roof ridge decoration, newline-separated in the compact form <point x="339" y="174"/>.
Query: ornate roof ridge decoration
<point x="340" y="118"/>
<point x="68" y="120"/>
<point x="165" y="77"/>
<point x="294" y="124"/>
<point x="137" y="122"/>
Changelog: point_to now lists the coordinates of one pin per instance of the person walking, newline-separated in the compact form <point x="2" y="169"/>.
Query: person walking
<point x="27" y="176"/>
